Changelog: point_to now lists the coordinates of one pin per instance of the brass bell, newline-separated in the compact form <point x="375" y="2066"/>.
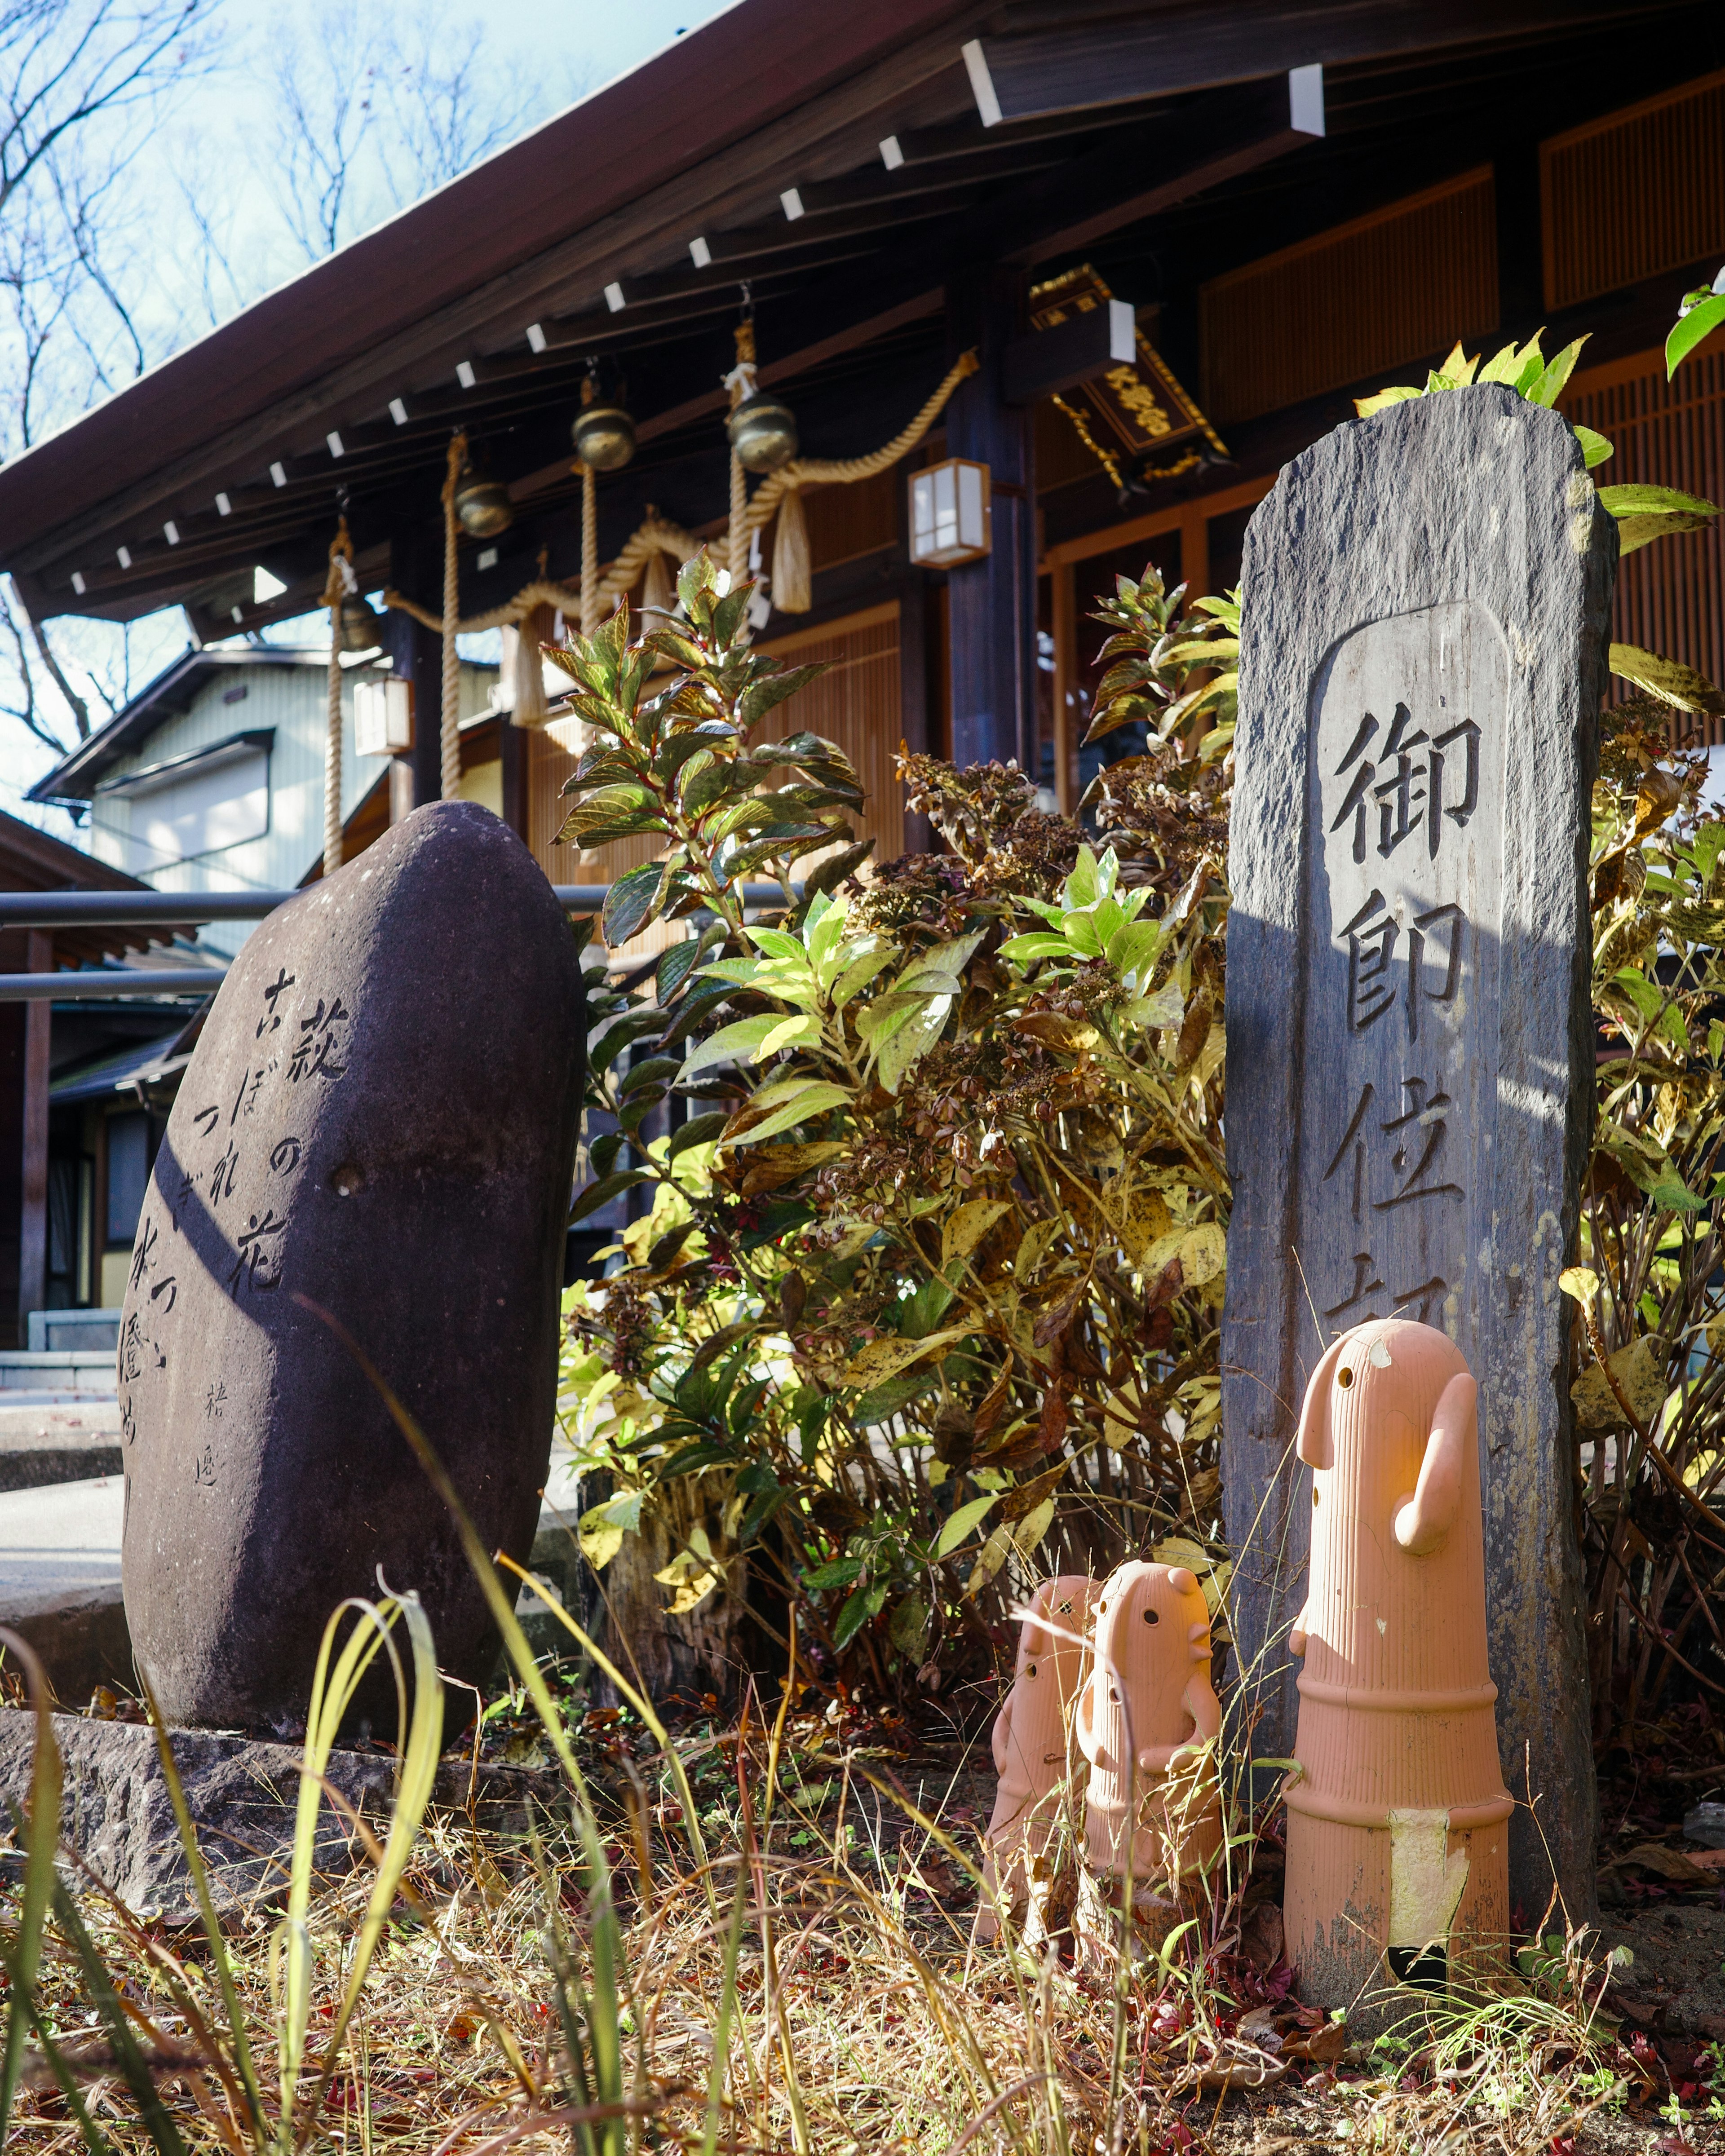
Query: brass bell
<point x="483" y="506"/>
<point x="763" y="433"/>
<point x="604" y="437"/>
<point x="359" y="626"/>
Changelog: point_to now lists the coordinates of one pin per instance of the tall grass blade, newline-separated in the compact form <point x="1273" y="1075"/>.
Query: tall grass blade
<point x="41" y="1840"/>
<point x="727" y="2009"/>
<point x="207" y="1913"/>
<point x="573" y="2016"/>
<point x="419" y="1746"/>
<point x="152" y="2112"/>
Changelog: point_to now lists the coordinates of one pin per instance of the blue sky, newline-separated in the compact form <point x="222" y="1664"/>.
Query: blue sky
<point x="217" y="146"/>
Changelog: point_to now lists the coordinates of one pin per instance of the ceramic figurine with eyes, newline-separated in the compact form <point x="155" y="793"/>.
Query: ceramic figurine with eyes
<point x="1145" y="1715"/>
<point x="1034" y="1756"/>
<point x="1397" y="1845"/>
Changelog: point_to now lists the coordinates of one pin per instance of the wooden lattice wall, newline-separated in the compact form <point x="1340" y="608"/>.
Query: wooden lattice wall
<point x="1638" y="192"/>
<point x="1670" y="596"/>
<point x="1399" y="284"/>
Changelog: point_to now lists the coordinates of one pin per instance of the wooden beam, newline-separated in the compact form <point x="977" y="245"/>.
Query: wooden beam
<point x="1156" y="521"/>
<point x="1195" y="548"/>
<point x="33" y="1208"/>
<point x="992" y="603"/>
<point x="1191" y="153"/>
<point x="1075" y="68"/>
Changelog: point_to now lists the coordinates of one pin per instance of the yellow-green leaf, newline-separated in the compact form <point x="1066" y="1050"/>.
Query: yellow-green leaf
<point x="1582" y="1282"/>
<point x="958" y="1527"/>
<point x="1667" y="679"/>
<point x="966" y="1227"/>
<point x="882" y="1359"/>
<point x="1640" y="1371"/>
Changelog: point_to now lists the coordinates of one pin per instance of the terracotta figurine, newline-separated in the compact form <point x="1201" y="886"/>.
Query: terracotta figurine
<point x="1150" y="1691"/>
<point x="1033" y="1754"/>
<point x="1397" y="1843"/>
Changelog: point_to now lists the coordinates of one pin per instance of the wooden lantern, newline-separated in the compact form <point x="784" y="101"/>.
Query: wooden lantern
<point x="949" y="514"/>
<point x="382" y="717"/>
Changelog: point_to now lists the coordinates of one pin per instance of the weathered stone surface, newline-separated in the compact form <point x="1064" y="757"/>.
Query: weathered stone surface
<point x="117" y="1817"/>
<point x="380" y="1118"/>
<point x="1409" y="1049"/>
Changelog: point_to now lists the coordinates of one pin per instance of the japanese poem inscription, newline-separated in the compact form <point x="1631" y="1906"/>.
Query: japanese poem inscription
<point x="1406" y="816"/>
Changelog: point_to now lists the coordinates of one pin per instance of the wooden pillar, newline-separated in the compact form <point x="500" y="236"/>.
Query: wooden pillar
<point x="913" y="664"/>
<point x="512" y="750"/>
<point x="1195" y="551"/>
<point x="1063" y="580"/>
<point x="992" y="617"/>
<point x="33" y="1208"/>
<point x="418" y="562"/>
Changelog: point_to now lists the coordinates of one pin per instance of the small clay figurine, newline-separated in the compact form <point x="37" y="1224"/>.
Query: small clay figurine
<point x="1032" y="1742"/>
<point x="1150" y="1691"/>
<point x="1397" y="1843"/>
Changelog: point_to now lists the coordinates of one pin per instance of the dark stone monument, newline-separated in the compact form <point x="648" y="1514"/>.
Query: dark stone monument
<point x="1410" y="1043"/>
<point x="380" y="1116"/>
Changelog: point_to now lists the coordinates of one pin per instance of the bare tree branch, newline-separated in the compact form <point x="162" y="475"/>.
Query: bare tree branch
<point x="79" y="708"/>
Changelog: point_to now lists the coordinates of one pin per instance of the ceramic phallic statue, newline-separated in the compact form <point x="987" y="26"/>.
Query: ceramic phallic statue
<point x="1035" y="1754"/>
<point x="1397" y="1843"/>
<point x="1147" y="1714"/>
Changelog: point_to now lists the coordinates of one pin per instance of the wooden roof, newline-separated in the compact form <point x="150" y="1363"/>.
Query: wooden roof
<point x="847" y="164"/>
<point x="33" y="860"/>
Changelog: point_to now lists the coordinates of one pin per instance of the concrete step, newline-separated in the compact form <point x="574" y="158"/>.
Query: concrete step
<point x="44" y="1441"/>
<point x="60" y="1576"/>
<point x="63" y="1370"/>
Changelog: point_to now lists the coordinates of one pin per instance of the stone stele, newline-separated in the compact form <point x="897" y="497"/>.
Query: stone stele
<point x="380" y="1117"/>
<point x="1409" y="1046"/>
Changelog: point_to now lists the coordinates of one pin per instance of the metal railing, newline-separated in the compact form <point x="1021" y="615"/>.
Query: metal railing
<point x="170" y="909"/>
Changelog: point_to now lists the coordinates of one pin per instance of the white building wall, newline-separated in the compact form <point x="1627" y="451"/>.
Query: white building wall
<point x="291" y="701"/>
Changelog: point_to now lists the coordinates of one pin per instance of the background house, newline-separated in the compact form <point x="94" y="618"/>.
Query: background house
<point x="210" y="779"/>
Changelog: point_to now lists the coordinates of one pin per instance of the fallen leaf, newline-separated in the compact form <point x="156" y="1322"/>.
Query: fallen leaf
<point x="1322" y="2047"/>
<point x="1234" y="2065"/>
<point x="1640" y="1370"/>
<point x="1664" y="1863"/>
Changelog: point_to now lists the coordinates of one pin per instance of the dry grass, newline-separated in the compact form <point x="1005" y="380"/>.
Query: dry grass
<point x="857" y="2016"/>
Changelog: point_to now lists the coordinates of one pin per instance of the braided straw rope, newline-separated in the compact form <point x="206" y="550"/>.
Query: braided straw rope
<point x="741" y="382"/>
<point x="845" y="471"/>
<point x="449" y="730"/>
<point x="337" y="587"/>
<point x="590" y="597"/>
<point x="655" y="537"/>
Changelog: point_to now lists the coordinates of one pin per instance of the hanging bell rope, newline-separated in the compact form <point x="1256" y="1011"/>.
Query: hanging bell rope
<point x="341" y="584"/>
<point x="741" y="382"/>
<point x="527" y="668"/>
<point x="449" y="730"/>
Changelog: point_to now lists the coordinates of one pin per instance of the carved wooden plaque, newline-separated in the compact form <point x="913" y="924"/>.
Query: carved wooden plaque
<point x="1410" y="1072"/>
